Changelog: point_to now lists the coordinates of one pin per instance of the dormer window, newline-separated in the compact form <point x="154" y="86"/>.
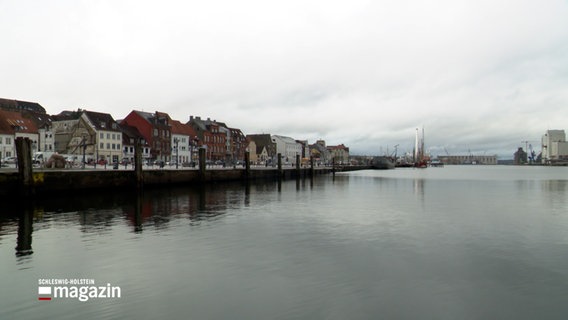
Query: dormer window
<point x="103" y="125"/>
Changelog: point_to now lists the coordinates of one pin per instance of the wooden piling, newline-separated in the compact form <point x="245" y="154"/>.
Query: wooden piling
<point x="312" y="169"/>
<point x="333" y="166"/>
<point x="202" y="163"/>
<point x="25" y="228"/>
<point x="138" y="165"/>
<point x="298" y="172"/>
<point x="25" y="166"/>
<point x="280" y="172"/>
<point x="247" y="163"/>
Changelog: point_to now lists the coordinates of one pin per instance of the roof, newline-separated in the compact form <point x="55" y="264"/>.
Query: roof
<point x="131" y="132"/>
<point x="67" y="115"/>
<point x="102" y="121"/>
<point x="203" y="124"/>
<point x="285" y="139"/>
<point x="261" y="139"/>
<point x="154" y="118"/>
<point x="7" y="104"/>
<point x="339" y="147"/>
<point x="182" y="129"/>
<point x="12" y="122"/>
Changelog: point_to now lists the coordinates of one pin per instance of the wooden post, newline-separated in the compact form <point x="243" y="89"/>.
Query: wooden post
<point x="312" y="166"/>
<point x="298" y="172"/>
<point x="25" y="228"/>
<point x="23" y="152"/>
<point x="280" y="172"/>
<point x="202" y="163"/>
<point x="247" y="163"/>
<point x="138" y="164"/>
<point x="333" y="166"/>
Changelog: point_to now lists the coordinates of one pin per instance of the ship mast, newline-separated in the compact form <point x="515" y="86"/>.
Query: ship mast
<point x="416" y="152"/>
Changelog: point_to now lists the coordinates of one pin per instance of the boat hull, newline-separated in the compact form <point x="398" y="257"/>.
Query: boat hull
<point x="383" y="163"/>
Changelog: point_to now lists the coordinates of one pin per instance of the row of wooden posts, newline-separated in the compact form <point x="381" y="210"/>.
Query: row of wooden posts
<point x="25" y="164"/>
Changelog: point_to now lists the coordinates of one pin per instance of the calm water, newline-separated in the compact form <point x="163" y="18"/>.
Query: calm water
<point x="460" y="242"/>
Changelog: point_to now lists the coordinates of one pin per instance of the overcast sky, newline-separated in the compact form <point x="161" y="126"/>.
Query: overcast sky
<point x="478" y="75"/>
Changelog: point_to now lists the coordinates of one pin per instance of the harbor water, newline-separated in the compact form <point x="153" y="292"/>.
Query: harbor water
<point x="458" y="242"/>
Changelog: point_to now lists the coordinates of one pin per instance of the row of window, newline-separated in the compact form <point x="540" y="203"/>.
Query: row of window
<point x="161" y="133"/>
<point x="216" y="139"/>
<point x="109" y="146"/>
<point x="7" y="140"/>
<point x="109" y="136"/>
<point x="131" y="150"/>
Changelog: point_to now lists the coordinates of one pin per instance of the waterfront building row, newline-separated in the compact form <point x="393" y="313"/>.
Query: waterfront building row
<point x="99" y="138"/>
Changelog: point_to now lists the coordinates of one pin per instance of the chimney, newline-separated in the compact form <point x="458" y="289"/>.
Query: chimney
<point x="190" y="118"/>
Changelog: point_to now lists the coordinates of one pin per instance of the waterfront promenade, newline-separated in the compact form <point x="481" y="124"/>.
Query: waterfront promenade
<point x="76" y="179"/>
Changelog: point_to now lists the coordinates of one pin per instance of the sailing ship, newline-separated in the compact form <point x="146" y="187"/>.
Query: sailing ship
<point x="420" y="161"/>
<point x="383" y="162"/>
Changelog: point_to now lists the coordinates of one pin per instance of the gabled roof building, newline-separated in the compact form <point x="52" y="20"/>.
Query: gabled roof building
<point x="13" y="124"/>
<point x="156" y="130"/>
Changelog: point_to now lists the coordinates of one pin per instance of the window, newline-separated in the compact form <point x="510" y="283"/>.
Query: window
<point x="108" y="145"/>
<point x="102" y="135"/>
<point x="155" y="132"/>
<point x="108" y="136"/>
<point x="113" y="146"/>
<point x="113" y="136"/>
<point x="118" y="146"/>
<point x="102" y="146"/>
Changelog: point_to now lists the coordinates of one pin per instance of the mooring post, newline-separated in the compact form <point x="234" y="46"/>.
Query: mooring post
<point x="247" y="163"/>
<point x="312" y="170"/>
<point x="333" y="166"/>
<point x="138" y="164"/>
<point x="202" y="163"/>
<point x="23" y="152"/>
<point x="25" y="228"/>
<point x="280" y="172"/>
<point x="298" y="172"/>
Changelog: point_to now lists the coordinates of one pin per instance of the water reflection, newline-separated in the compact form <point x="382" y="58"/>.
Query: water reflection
<point x="151" y="209"/>
<point x="25" y="228"/>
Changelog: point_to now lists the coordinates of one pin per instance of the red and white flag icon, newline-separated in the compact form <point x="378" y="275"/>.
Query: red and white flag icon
<point x="44" y="293"/>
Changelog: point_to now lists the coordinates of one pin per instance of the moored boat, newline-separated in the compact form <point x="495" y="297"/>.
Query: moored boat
<point x="383" y="163"/>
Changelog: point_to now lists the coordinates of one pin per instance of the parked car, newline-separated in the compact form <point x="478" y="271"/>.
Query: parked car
<point x="10" y="160"/>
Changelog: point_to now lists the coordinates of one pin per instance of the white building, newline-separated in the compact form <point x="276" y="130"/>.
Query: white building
<point x="288" y="148"/>
<point x="554" y="147"/>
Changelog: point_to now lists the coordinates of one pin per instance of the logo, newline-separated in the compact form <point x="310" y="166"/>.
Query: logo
<point x="78" y="289"/>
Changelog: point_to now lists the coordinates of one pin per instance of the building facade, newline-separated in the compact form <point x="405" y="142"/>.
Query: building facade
<point x="262" y="148"/>
<point x="469" y="159"/>
<point x="554" y="147"/>
<point x="14" y="125"/>
<point x="184" y="143"/>
<point x="156" y="130"/>
<point x="288" y="148"/>
<point x="339" y="154"/>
